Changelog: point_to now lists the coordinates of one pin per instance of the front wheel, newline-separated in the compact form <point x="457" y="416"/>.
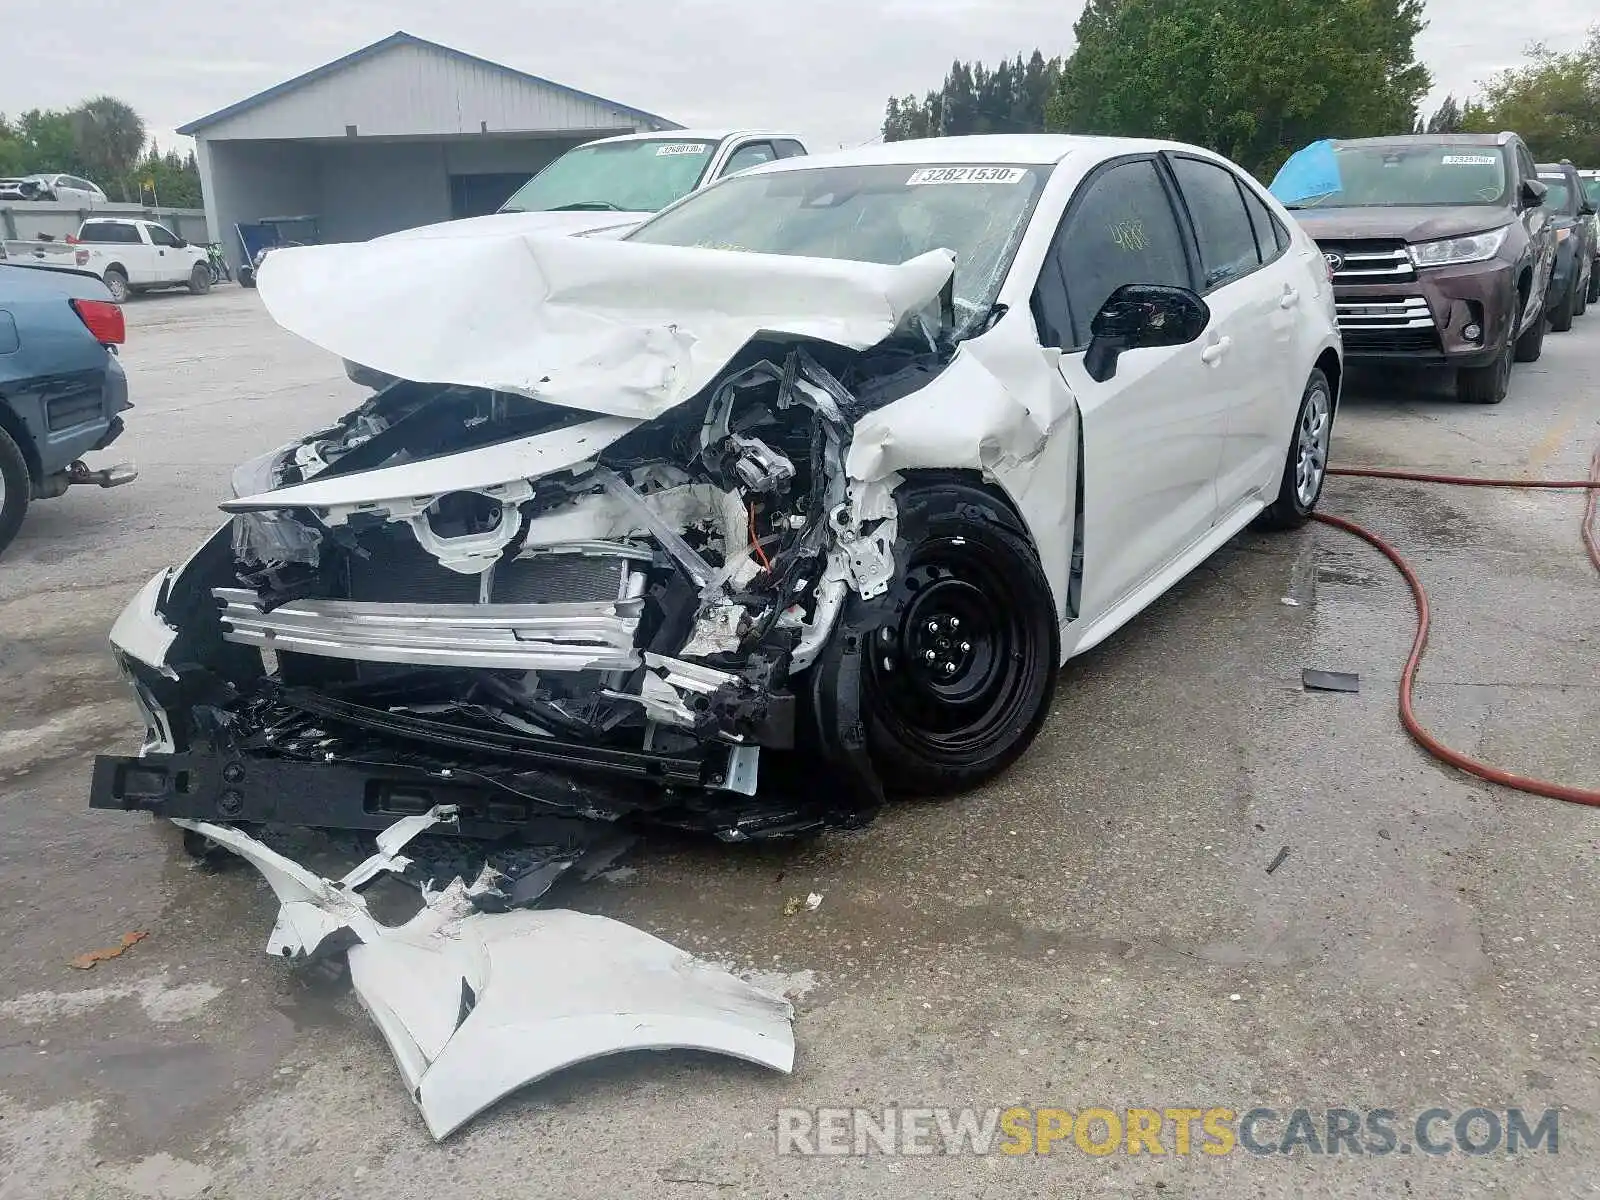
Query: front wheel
<point x="958" y="678"/>
<point x="200" y="279"/>
<point x="1594" y="282"/>
<point x="1487" y="385"/>
<point x="1305" y="467"/>
<point x="1531" y="344"/>
<point x="1561" y="316"/>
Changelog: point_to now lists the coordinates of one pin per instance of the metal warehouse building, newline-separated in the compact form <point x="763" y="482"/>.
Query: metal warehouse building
<point x="400" y="133"/>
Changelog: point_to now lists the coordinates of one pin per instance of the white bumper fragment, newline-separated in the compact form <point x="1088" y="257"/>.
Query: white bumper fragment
<point x="475" y="1005"/>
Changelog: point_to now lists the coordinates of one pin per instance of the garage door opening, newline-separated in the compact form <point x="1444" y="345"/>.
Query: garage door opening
<point x="479" y="195"/>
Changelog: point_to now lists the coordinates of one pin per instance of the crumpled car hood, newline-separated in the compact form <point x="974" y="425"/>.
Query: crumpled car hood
<point x="564" y="224"/>
<point x="617" y="328"/>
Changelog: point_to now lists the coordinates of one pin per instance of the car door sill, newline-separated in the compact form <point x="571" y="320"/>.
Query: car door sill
<point x="1141" y="597"/>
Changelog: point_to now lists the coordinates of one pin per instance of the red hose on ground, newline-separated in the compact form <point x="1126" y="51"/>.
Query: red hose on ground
<point x="1408" y="716"/>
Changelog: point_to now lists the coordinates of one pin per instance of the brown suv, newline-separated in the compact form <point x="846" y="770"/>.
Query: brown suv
<point x="1439" y="247"/>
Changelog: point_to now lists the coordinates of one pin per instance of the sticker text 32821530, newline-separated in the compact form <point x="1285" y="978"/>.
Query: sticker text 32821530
<point x="926" y="175"/>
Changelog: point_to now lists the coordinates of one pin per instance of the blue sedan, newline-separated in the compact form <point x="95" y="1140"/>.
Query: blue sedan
<point x="61" y="386"/>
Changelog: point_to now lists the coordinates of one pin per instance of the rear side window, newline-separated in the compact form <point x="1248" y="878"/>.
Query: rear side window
<point x="107" y="231"/>
<point x="752" y="154"/>
<point x="1271" y="239"/>
<point x="1222" y="226"/>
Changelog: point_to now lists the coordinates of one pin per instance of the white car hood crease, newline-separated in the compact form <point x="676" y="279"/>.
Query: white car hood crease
<point x="621" y="329"/>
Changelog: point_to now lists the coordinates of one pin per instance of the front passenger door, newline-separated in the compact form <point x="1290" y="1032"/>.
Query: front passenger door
<point x="1151" y="437"/>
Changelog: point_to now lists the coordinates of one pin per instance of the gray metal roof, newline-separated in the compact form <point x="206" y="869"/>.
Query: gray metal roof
<point x="591" y="109"/>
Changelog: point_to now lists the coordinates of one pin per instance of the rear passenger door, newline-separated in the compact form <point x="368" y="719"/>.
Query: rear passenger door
<point x="1252" y="289"/>
<point x="1152" y="433"/>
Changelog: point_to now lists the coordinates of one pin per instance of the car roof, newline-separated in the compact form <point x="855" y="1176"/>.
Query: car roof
<point x="1028" y="149"/>
<point x="1431" y="139"/>
<point x="1556" y="168"/>
<point x="695" y="135"/>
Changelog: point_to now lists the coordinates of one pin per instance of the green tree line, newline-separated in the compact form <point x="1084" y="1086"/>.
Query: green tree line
<point x="1253" y="79"/>
<point x="104" y="140"/>
<point x="1256" y="80"/>
<point x="1552" y="100"/>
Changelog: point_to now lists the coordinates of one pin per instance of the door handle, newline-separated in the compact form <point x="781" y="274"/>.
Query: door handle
<point x="1213" y="353"/>
<point x="1289" y="298"/>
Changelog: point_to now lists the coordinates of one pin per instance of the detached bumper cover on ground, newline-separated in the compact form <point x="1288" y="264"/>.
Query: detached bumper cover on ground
<point x="475" y="1006"/>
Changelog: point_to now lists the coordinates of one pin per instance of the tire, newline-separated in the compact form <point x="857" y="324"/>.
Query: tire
<point x="1305" y="465"/>
<point x="247" y="277"/>
<point x="116" y="281"/>
<point x="213" y="273"/>
<point x="16" y="489"/>
<point x="969" y="590"/>
<point x="200" y="280"/>
<point x="1487" y="385"/>
<point x="1594" y="282"/>
<point x="1561" y="316"/>
<point x="1531" y="344"/>
<point x="1580" y="294"/>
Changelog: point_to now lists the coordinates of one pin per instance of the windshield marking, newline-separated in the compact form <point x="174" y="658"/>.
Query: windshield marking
<point x="682" y="148"/>
<point x="1471" y="160"/>
<point x="927" y="175"/>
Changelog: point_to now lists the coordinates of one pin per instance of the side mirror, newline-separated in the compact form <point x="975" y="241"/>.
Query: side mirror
<point x="180" y="244"/>
<point x="1586" y="209"/>
<point x="1140" y="315"/>
<point x="1533" y="193"/>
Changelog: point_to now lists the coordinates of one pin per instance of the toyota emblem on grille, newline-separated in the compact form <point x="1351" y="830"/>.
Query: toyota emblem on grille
<point x="1335" y="261"/>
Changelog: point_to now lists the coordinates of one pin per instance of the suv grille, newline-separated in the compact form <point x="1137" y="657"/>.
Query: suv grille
<point x="1378" y="324"/>
<point x="1369" y="262"/>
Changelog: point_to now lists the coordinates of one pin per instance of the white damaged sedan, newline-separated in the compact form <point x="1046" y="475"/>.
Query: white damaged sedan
<point x="833" y="463"/>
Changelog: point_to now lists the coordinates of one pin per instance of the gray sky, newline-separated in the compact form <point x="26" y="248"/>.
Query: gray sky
<point x="823" y="67"/>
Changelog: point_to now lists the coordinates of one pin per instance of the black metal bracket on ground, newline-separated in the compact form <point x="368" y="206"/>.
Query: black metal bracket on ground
<point x="209" y="786"/>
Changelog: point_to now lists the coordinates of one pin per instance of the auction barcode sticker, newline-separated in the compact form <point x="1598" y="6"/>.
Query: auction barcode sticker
<point x="966" y="175"/>
<point x="1470" y="160"/>
<point x="681" y="148"/>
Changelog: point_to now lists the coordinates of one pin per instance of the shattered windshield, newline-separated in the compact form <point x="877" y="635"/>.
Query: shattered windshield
<point x="878" y="214"/>
<point x="635" y="176"/>
<point x="1395" y="176"/>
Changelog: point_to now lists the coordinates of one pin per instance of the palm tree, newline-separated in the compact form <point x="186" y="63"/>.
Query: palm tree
<point x="110" y="136"/>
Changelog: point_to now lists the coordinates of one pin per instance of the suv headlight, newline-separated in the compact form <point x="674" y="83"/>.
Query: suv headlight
<point x="1451" y="252"/>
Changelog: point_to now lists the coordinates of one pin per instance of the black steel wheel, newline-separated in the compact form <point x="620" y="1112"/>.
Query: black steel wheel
<point x="959" y="674"/>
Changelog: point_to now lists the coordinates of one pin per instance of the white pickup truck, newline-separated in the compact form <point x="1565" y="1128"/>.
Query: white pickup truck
<point x="134" y="255"/>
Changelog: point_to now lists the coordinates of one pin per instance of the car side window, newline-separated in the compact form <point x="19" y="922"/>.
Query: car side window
<point x="161" y="236"/>
<point x="1120" y="229"/>
<point x="1221" y="225"/>
<point x="1268" y="241"/>
<point x="789" y="148"/>
<point x="106" y="231"/>
<point x="750" y="155"/>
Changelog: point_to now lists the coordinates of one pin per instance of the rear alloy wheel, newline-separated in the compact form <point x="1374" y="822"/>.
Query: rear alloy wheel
<point x="200" y="279"/>
<point x="1487" y="385"/>
<point x="1305" y="468"/>
<point x="959" y="678"/>
<point x="117" y="284"/>
<point x="16" y="489"/>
